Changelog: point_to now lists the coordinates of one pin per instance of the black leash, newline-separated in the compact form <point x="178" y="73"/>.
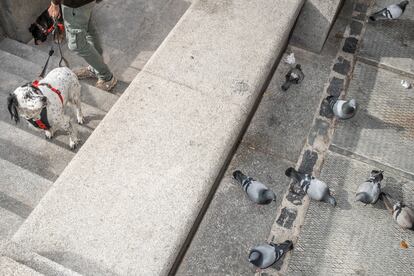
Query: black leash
<point x="51" y="51"/>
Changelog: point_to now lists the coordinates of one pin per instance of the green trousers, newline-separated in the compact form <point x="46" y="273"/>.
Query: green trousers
<point x="83" y="38"/>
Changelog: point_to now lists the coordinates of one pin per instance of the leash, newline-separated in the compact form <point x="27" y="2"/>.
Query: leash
<point x="56" y="26"/>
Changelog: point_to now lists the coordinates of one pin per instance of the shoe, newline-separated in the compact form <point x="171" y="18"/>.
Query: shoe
<point x="107" y="85"/>
<point x="85" y="73"/>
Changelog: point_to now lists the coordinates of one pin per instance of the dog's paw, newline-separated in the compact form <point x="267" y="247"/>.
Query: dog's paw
<point x="81" y="120"/>
<point x="73" y="143"/>
<point x="48" y="134"/>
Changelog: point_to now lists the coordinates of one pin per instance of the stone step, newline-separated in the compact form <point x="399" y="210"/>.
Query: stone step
<point x="22" y="185"/>
<point x="32" y="153"/>
<point x="35" y="261"/>
<point x="10" y="267"/>
<point x="9" y="223"/>
<point x="9" y="82"/>
<point x="90" y="94"/>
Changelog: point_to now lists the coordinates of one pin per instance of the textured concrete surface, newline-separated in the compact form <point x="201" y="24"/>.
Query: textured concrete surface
<point x="10" y="267"/>
<point x="314" y="23"/>
<point x="17" y="15"/>
<point x="353" y="239"/>
<point x="272" y="143"/>
<point x="383" y="129"/>
<point x="391" y="43"/>
<point x="185" y="112"/>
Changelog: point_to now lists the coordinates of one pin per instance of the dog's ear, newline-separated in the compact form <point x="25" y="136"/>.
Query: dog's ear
<point x="12" y="105"/>
<point x="32" y="28"/>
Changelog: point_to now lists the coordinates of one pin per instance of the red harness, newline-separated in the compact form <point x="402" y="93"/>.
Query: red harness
<point x="57" y="92"/>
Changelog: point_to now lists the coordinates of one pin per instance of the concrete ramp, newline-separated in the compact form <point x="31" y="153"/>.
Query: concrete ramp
<point x="129" y="199"/>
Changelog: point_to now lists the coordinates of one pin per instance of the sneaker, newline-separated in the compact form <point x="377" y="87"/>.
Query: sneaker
<point x="85" y="73"/>
<point x="107" y="85"/>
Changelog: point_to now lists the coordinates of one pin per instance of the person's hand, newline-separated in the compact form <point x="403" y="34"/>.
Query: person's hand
<point x="54" y="11"/>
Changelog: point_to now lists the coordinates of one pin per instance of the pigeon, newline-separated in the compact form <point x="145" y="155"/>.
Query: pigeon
<point x="403" y="215"/>
<point x="393" y="11"/>
<point x="313" y="187"/>
<point x="341" y="108"/>
<point x="255" y="190"/>
<point x="369" y="191"/>
<point x="295" y="76"/>
<point x="265" y="255"/>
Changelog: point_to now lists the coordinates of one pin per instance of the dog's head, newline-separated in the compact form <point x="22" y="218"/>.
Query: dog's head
<point x="27" y="102"/>
<point x="38" y="32"/>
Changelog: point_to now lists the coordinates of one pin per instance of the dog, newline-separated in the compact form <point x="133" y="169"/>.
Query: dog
<point x="42" y="103"/>
<point x="44" y="25"/>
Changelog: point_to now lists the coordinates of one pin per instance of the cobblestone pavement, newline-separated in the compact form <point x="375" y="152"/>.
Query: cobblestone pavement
<point x="354" y="239"/>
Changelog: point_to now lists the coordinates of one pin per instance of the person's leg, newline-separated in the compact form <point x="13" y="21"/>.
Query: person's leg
<point x="77" y="25"/>
<point x="93" y="37"/>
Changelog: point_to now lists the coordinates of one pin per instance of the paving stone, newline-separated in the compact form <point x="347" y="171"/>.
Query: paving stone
<point x="391" y="42"/>
<point x="336" y="86"/>
<point x="361" y="7"/>
<point x="308" y="161"/>
<point x="320" y="128"/>
<point x="356" y="28"/>
<point x="353" y="239"/>
<point x="10" y="267"/>
<point x="342" y="66"/>
<point x="283" y="119"/>
<point x="350" y="45"/>
<point x="383" y="127"/>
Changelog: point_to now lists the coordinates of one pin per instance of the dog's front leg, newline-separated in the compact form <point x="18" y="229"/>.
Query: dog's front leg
<point x="72" y="132"/>
<point x="49" y="133"/>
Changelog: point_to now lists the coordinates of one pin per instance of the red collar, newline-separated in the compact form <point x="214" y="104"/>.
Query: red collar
<point x="57" y="92"/>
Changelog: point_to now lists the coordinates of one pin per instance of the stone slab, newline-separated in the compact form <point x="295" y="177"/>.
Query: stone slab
<point x="382" y="129"/>
<point x="282" y="121"/>
<point x="353" y="239"/>
<point x="9" y="267"/>
<point x="314" y="23"/>
<point x="9" y="224"/>
<point x="131" y="212"/>
<point x="391" y="43"/>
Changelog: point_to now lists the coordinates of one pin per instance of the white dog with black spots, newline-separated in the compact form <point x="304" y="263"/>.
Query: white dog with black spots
<point x="43" y="103"/>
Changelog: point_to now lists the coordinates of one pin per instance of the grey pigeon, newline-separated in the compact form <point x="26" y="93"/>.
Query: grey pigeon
<point x="255" y="190"/>
<point x="369" y="191"/>
<point x="342" y="109"/>
<point x="393" y="11"/>
<point x="294" y="76"/>
<point x="265" y="255"/>
<point x="313" y="187"/>
<point x="403" y="215"/>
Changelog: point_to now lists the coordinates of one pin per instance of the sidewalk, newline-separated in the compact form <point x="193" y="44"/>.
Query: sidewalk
<point x="354" y="239"/>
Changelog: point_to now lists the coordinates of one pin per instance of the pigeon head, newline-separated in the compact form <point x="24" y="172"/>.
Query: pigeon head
<point x="377" y="175"/>
<point x="269" y="196"/>
<point x="398" y="205"/>
<point x="255" y="258"/>
<point x="239" y="176"/>
<point x="349" y="107"/>
<point x="403" y="5"/>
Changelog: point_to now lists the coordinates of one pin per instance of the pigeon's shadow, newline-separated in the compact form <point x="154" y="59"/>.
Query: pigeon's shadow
<point x="343" y="201"/>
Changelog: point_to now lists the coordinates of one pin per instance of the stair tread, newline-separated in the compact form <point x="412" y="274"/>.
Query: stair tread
<point x="32" y="153"/>
<point x="22" y="185"/>
<point x="12" y="268"/>
<point x="9" y="224"/>
<point x="90" y="94"/>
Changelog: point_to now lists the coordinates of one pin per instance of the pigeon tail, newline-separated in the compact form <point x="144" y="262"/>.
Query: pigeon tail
<point x="239" y="176"/>
<point x="292" y="173"/>
<point x="285" y="246"/>
<point x="329" y="199"/>
<point x="403" y="5"/>
<point x="387" y="203"/>
<point x="332" y="101"/>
